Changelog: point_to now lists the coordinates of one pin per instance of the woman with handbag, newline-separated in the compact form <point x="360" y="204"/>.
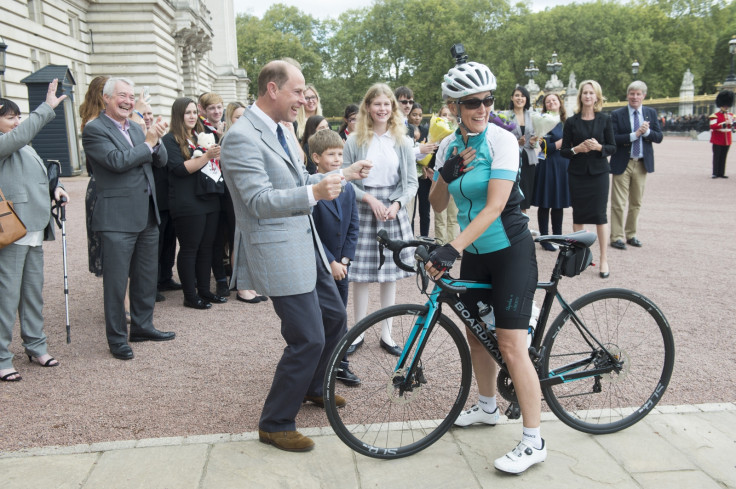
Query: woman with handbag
<point x="194" y="202"/>
<point x="24" y="180"/>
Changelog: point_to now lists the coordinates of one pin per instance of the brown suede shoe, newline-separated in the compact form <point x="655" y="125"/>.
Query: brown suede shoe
<point x="291" y="441"/>
<point x="320" y="401"/>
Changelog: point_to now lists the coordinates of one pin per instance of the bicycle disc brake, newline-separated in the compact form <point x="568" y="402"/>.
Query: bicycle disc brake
<point x="403" y="391"/>
<point x="623" y="359"/>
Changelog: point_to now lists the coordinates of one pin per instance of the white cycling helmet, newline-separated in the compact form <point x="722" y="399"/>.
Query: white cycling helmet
<point x="467" y="79"/>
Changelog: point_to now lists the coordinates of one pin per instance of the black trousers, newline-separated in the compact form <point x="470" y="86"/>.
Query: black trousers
<point x="195" y="234"/>
<point x="166" y="247"/>
<point x="224" y="237"/>
<point x="422" y="201"/>
<point x="719" y="160"/>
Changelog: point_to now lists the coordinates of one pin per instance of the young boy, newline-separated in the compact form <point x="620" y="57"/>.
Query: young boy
<point x="336" y="222"/>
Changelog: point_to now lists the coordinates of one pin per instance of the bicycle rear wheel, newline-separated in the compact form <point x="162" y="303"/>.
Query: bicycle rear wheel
<point x="631" y="328"/>
<point x="393" y="413"/>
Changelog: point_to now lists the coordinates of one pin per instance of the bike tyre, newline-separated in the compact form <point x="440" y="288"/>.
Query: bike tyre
<point x="377" y="423"/>
<point x="630" y="324"/>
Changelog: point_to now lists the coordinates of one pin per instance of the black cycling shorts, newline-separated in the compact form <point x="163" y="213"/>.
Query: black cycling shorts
<point x="513" y="273"/>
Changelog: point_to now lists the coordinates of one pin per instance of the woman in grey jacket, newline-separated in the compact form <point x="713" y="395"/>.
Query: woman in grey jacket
<point x="24" y="181"/>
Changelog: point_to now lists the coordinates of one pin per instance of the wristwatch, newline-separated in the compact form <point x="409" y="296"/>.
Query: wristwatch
<point x="345" y="260"/>
<point x="573" y="150"/>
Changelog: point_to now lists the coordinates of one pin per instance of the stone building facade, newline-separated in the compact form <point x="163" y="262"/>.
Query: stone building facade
<point x="175" y="47"/>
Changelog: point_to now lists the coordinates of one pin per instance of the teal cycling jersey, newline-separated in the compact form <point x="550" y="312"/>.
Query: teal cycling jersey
<point x="496" y="157"/>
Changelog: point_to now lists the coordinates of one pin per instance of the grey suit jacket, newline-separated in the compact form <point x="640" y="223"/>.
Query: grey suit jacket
<point x="23" y="176"/>
<point x="275" y="235"/>
<point x="123" y="175"/>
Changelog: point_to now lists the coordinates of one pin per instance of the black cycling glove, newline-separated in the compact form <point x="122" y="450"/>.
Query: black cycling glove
<point x="444" y="257"/>
<point x="452" y="168"/>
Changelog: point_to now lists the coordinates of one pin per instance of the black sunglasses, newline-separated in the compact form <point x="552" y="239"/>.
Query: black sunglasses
<point x="406" y="102"/>
<point x="474" y="103"/>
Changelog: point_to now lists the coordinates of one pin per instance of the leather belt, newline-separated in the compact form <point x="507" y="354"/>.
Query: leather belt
<point x="636" y="159"/>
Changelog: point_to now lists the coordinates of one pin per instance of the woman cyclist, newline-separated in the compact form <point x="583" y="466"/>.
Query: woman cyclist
<point x="478" y="166"/>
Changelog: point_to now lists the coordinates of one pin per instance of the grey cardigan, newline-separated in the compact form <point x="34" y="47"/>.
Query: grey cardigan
<point x="529" y="133"/>
<point x="408" y="184"/>
<point x="23" y="174"/>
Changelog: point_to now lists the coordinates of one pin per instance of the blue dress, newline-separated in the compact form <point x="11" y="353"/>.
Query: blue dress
<point x="551" y="189"/>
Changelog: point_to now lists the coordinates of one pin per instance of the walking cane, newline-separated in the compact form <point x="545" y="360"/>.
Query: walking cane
<point x="60" y="218"/>
<point x="53" y="169"/>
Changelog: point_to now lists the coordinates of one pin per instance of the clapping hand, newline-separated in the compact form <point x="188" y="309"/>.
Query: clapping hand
<point x="156" y="132"/>
<point x="51" y="97"/>
<point x="328" y="188"/>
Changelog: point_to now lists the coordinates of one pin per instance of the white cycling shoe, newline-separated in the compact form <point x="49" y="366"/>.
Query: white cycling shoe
<point x="476" y="415"/>
<point x="521" y="458"/>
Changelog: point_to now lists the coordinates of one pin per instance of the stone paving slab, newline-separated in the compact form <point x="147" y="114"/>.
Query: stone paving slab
<point x="175" y="467"/>
<point x="53" y="471"/>
<point x="253" y="464"/>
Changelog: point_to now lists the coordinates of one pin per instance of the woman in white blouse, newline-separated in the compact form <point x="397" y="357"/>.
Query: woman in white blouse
<point x="380" y="137"/>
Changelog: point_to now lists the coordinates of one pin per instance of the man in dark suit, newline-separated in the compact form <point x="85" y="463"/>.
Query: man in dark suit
<point x="273" y="195"/>
<point x="126" y="214"/>
<point x="635" y="128"/>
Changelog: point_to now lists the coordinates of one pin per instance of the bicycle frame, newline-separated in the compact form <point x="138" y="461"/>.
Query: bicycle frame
<point x="424" y="324"/>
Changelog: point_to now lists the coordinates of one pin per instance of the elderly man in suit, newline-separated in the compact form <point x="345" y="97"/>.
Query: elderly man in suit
<point x="277" y="250"/>
<point x="635" y="128"/>
<point x="126" y="214"/>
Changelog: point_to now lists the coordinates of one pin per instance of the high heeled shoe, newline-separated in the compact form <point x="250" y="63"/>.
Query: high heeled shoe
<point x="48" y="363"/>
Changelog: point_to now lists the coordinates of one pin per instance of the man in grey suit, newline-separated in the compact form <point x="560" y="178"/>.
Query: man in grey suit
<point x="126" y="214"/>
<point x="277" y="250"/>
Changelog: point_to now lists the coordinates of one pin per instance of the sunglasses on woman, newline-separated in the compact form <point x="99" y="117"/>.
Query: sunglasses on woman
<point x="474" y="103"/>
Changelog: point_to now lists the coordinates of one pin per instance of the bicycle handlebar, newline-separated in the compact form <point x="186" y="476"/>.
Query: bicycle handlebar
<point x="421" y="255"/>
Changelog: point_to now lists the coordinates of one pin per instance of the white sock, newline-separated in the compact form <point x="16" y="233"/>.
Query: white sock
<point x="532" y="437"/>
<point x="388" y="298"/>
<point x="360" y="303"/>
<point x="488" y="404"/>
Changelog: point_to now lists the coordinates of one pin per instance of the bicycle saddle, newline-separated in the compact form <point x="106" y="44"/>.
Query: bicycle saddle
<point x="579" y="239"/>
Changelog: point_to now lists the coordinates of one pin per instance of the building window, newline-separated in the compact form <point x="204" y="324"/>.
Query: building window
<point x="35" y="11"/>
<point x="74" y="25"/>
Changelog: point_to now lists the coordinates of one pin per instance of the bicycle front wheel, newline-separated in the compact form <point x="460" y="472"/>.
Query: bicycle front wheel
<point x="638" y="336"/>
<point x="394" y="413"/>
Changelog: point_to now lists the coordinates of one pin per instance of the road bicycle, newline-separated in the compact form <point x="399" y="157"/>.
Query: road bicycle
<point x="603" y="364"/>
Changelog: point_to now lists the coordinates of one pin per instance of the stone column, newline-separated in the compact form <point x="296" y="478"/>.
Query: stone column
<point x="687" y="93"/>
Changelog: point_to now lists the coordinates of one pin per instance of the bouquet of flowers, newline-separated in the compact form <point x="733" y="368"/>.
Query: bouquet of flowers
<point x="439" y="129"/>
<point x="502" y="120"/>
<point x="544" y="123"/>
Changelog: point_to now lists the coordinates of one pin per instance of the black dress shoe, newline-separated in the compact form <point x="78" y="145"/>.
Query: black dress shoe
<point x="213" y="298"/>
<point x="254" y="300"/>
<point x="355" y="346"/>
<point x="618" y="244"/>
<point x="121" y="351"/>
<point x="160" y="297"/>
<point x="198" y="303"/>
<point x="169" y="285"/>
<point x="393" y="350"/>
<point x="152" y="335"/>
<point x="347" y="377"/>
<point x="604" y="274"/>
<point x="634" y="242"/>
<point x="222" y="289"/>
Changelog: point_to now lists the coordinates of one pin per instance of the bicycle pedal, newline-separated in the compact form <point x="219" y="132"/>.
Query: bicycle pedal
<point x="513" y="411"/>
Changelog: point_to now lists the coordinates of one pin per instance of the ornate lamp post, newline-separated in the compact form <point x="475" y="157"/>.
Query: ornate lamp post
<point x="531" y="71"/>
<point x="732" y="50"/>
<point x="554" y="67"/>
<point x="3" y="48"/>
<point x="635" y="68"/>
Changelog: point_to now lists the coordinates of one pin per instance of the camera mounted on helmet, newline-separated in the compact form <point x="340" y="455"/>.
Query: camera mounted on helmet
<point x="458" y="52"/>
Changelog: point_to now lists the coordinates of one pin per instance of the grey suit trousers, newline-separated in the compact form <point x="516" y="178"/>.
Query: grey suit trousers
<point x="311" y="325"/>
<point x="133" y="255"/>
<point x="21" y="290"/>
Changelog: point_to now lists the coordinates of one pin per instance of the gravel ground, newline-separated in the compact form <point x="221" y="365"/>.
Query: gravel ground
<point x="214" y="377"/>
